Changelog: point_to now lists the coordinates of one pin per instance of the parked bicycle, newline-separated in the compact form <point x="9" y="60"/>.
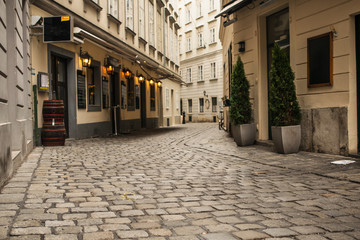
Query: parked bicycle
<point x="221" y="120"/>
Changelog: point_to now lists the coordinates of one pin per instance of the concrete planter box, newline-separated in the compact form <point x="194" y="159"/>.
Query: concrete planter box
<point x="244" y="134"/>
<point x="286" y="138"/>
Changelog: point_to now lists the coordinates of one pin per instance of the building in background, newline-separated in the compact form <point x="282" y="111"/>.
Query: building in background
<point x="324" y="54"/>
<point x="16" y="126"/>
<point x="200" y="59"/>
<point x="132" y="60"/>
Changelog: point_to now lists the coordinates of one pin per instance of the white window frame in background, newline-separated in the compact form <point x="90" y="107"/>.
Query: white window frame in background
<point x="213" y="70"/>
<point x="188" y="75"/>
<point x="212" y="35"/>
<point x="129" y="11"/>
<point x="142" y="19"/>
<point x="151" y="24"/>
<point x="200" y="73"/>
<point x="113" y="8"/>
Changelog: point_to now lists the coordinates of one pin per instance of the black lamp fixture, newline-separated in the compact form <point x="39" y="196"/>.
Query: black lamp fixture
<point x="159" y="83"/>
<point x="127" y="72"/>
<point x="85" y="58"/>
<point x="141" y="78"/>
<point x="109" y="67"/>
<point x="151" y="82"/>
<point x="241" y="46"/>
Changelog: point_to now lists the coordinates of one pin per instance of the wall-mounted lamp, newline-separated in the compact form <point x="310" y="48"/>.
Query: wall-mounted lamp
<point x="241" y="46"/>
<point x="151" y="82"/>
<point x="127" y="72"/>
<point x="141" y="78"/>
<point x="159" y="83"/>
<point x="85" y="58"/>
<point x="109" y="68"/>
<point x="205" y="94"/>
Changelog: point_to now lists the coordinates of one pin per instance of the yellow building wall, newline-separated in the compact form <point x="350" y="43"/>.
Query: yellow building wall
<point x="307" y="19"/>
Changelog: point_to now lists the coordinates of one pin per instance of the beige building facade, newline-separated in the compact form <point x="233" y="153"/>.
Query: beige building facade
<point x="16" y="130"/>
<point x="200" y="60"/>
<point x="322" y="41"/>
<point x="131" y="63"/>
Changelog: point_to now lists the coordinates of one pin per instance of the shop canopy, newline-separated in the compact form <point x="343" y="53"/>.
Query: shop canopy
<point x="233" y="7"/>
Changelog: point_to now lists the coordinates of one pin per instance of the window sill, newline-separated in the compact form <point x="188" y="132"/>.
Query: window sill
<point x="113" y="19"/>
<point x="187" y="23"/>
<point x="189" y="83"/>
<point x="189" y="51"/>
<point x="213" y="79"/>
<point x="128" y="30"/>
<point x="213" y="43"/>
<point x="152" y="47"/>
<point x="199" y="17"/>
<point x="94" y="5"/>
<point x="201" y="47"/>
<point x="212" y="11"/>
<point x="201" y="81"/>
<point x="142" y="40"/>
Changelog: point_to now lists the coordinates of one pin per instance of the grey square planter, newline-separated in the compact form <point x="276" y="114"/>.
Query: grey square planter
<point x="244" y="134"/>
<point x="286" y="138"/>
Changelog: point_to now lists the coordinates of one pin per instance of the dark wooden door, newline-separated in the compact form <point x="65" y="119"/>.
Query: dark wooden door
<point x="357" y="41"/>
<point x="59" y="85"/>
<point x="143" y="104"/>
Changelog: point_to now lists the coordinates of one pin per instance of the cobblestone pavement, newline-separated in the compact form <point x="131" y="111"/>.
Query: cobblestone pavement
<point x="189" y="182"/>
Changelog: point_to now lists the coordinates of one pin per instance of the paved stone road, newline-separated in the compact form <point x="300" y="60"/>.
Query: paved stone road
<point x="189" y="182"/>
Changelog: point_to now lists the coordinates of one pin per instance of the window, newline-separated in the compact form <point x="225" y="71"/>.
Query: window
<point x="171" y="45"/>
<point x="200" y="40"/>
<point x="320" y="63"/>
<point x="167" y="98"/>
<point x="151" y="25"/>
<point x="213" y="70"/>
<point x="212" y="35"/>
<point x="199" y="9"/>
<point x="123" y="95"/>
<point x="129" y="14"/>
<point x="114" y="8"/>
<point x="188" y="16"/>
<point x="214" y="104"/>
<point x="94" y="88"/>
<point x="200" y="73"/>
<point x="201" y="105"/>
<point x="188" y="44"/>
<point x="159" y="29"/>
<point x="190" y="105"/>
<point x="152" y="97"/>
<point x="212" y="5"/>
<point x="130" y="94"/>
<point x="188" y="75"/>
<point x="142" y="19"/>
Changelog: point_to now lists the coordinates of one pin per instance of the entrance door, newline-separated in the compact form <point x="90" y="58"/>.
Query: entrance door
<point x="115" y="101"/>
<point x="277" y="31"/>
<point x="59" y="85"/>
<point x="357" y="42"/>
<point x="143" y="104"/>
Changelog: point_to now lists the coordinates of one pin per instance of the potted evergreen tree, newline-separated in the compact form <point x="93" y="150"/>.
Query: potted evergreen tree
<point x="285" y="115"/>
<point x="242" y="130"/>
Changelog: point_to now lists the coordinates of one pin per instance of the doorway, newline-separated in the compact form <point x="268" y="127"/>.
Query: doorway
<point x="115" y="101"/>
<point x="59" y="85"/>
<point x="277" y="31"/>
<point x="143" y="104"/>
<point x="357" y="46"/>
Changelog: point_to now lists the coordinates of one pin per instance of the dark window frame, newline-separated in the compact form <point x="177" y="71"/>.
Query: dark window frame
<point x="329" y="54"/>
<point x="130" y="93"/>
<point x="152" y="98"/>
<point x="96" y="72"/>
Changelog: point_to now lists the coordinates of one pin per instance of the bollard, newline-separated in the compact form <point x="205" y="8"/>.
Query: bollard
<point x="183" y="113"/>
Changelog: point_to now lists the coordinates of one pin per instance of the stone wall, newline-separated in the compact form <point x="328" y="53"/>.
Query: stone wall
<point x="325" y="130"/>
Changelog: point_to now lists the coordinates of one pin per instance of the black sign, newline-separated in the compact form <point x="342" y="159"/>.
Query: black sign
<point x="81" y="89"/>
<point x="58" y="29"/>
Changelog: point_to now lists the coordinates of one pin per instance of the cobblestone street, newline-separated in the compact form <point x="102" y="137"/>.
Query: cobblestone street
<point x="188" y="182"/>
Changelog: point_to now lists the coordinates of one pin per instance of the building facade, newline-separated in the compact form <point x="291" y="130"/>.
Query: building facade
<point x="200" y="60"/>
<point x="324" y="55"/>
<point x="131" y="62"/>
<point x="16" y="130"/>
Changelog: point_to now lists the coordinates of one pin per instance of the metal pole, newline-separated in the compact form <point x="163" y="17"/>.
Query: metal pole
<point x="115" y="122"/>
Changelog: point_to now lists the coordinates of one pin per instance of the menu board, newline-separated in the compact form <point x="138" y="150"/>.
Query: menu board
<point x="81" y="89"/>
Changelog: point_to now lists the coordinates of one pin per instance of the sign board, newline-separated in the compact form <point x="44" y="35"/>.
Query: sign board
<point x="58" y="29"/>
<point x="43" y="82"/>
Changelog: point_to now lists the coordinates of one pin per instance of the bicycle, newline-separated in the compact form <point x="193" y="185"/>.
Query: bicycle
<point x="221" y="120"/>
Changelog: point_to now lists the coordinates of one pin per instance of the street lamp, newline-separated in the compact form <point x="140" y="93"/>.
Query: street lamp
<point x="85" y="58"/>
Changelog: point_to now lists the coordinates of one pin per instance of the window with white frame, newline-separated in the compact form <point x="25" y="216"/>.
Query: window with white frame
<point x="188" y="16"/>
<point x="212" y="70"/>
<point x="200" y="40"/>
<point x="200" y="73"/>
<point x="212" y="5"/>
<point x="188" y="44"/>
<point x="190" y="105"/>
<point x="159" y="24"/>
<point x="114" y="8"/>
<point x="201" y="105"/>
<point x="166" y="40"/>
<point x="130" y="14"/>
<point x="142" y="19"/>
<point x="177" y="49"/>
<point x="188" y="75"/>
<point x="212" y="35"/>
<point x="214" y="104"/>
<point x="199" y="9"/>
<point x="151" y="24"/>
<point x="167" y="98"/>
